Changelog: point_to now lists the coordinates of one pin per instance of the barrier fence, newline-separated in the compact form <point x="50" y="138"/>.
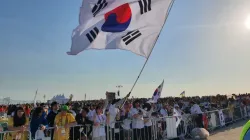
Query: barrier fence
<point x="155" y="128"/>
<point x="15" y="135"/>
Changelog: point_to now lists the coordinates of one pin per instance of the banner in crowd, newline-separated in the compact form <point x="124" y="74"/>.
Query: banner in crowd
<point x="120" y="24"/>
<point x="222" y="118"/>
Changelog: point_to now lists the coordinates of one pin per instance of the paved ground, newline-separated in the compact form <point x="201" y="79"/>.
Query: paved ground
<point x="231" y="132"/>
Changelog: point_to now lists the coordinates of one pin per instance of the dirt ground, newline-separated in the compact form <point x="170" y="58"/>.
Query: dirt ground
<point x="231" y="132"/>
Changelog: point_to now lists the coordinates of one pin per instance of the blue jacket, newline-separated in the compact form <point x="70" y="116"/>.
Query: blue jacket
<point x="35" y="123"/>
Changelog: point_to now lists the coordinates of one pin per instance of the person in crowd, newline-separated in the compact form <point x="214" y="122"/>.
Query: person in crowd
<point x="164" y="114"/>
<point x="77" y="107"/>
<point x="82" y="119"/>
<point x="99" y="120"/>
<point x="113" y="114"/>
<point x="45" y="110"/>
<point x="27" y="110"/>
<point x="126" y="125"/>
<point x="38" y="122"/>
<point x="159" y="106"/>
<point x="178" y="114"/>
<point x="63" y="122"/>
<point x="71" y="110"/>
<point x="138" y="121"/>
<point x="179" y="111"/>
<point x="92" y="112"/>
<point x="196" y="110"/>
<point x="147" y="112"/>
<point x="5" y="109"/>
<point x="1" y="111"/>
<point x="231" y="109"/>
<point x="51" y="116"/>
<point x="19" y="122"/>
<point x="12" y="110"/>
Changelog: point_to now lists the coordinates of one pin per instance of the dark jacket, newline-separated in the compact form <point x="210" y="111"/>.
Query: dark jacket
<point x="35" y="124"/>
<point x="86" y="126"/>
<point x="51" y="118"/>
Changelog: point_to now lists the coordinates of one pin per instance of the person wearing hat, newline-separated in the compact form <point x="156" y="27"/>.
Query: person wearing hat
<point x="52" y="115"/>
<point x="196" y="110"/>
<point x="63" y="122"/>
<point x="138" y="121"/>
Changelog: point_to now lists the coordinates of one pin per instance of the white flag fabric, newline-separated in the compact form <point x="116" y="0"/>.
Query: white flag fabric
<point x="177" y="114"/>
<point x="222" y="119"/>
<point x="157" y="93"/>
<point x="132" y="25"/>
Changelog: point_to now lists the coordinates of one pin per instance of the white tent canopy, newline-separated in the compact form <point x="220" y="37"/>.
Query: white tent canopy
<point x="61" y="99"/>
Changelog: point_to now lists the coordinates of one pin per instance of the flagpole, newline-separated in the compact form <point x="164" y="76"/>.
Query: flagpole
<point x="169" y="9"/>
<point x="35" y="98"/>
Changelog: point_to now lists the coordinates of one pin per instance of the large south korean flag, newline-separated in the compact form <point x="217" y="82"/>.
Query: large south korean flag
<point x="132" y="25"/>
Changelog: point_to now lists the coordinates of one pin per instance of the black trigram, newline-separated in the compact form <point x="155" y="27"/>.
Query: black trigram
<point x="130" y="36"/>
<point x="145" y="6"/>
<point x="92" y="34"/>
<point x="99" y="6"/>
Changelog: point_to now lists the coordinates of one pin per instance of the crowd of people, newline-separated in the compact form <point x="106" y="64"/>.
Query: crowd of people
<point x="93" y="119"/>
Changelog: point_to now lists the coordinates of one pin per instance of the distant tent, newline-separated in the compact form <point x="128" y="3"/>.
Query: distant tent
<point x="61" y="99"/>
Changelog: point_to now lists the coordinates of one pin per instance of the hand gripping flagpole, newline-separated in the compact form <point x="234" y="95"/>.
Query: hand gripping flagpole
<point x="169" y="9"/>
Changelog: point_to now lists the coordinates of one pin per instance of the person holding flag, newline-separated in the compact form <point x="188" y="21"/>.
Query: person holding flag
<point x="114" y="115"/>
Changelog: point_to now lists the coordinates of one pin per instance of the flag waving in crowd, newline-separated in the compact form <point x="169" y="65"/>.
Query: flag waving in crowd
<point x="120" y="24"/>
<point x="183" y="94"/>
<point x="157" y="93"/>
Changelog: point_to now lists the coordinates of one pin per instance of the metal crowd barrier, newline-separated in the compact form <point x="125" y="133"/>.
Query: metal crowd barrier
<point x="165" y="127"/>
<point x="211" y="121"/>
<point x="122" y="130"/>
<point x="15" y="135"/>
<point x="156" y="129"/>
<point x="77" y="132"/>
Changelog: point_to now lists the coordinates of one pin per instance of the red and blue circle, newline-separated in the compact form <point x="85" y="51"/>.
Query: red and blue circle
<point x="118" y="19"/>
